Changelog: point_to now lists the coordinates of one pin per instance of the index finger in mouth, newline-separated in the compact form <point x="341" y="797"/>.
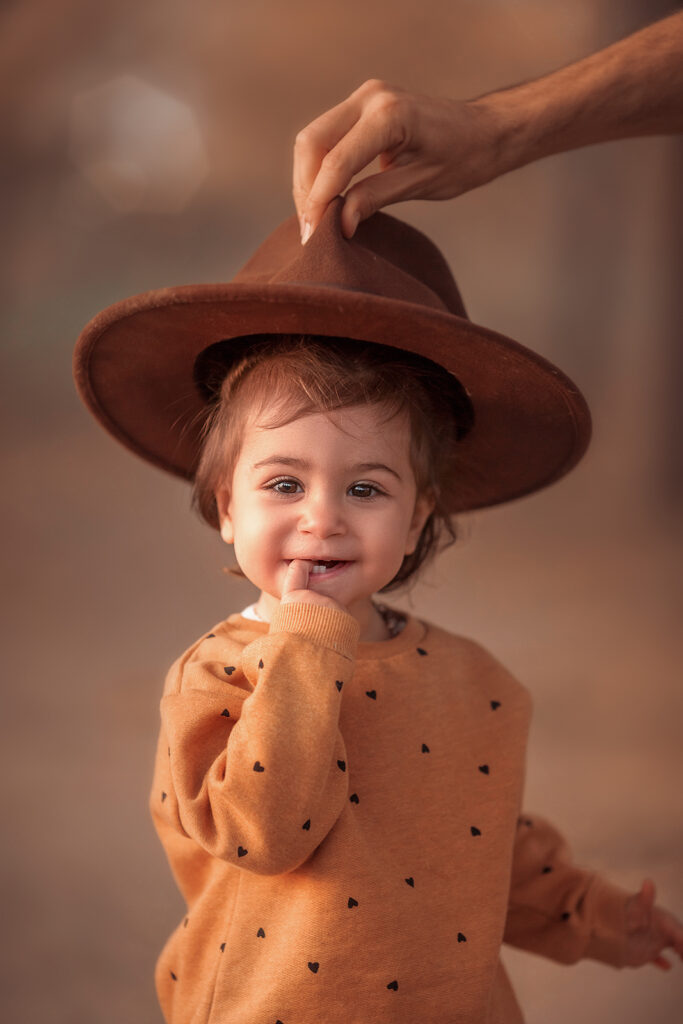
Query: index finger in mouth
<point x="296" y="577"/>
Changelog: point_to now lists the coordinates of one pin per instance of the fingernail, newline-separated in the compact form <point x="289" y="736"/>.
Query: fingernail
<point x="354" y="221"/>
<point x="307" y="232"/>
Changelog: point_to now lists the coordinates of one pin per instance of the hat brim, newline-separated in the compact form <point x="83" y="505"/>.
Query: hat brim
<point x="134" y="361"/>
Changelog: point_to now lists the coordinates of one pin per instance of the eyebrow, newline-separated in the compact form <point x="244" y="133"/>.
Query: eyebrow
<point x="286" y="460"/>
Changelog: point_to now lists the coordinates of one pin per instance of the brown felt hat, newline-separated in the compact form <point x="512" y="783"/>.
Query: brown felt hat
<point x="136" y="363"/>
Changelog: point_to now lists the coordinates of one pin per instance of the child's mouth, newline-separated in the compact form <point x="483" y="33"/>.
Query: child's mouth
<point x="324" y="568"/>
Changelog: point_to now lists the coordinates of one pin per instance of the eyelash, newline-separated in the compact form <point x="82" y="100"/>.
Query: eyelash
<point x="272" y="486"/>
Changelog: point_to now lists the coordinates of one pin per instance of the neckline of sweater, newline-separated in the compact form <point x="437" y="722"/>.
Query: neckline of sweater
<point x="411" y="635"/>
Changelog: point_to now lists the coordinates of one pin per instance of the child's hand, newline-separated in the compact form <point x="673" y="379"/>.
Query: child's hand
<point x="650" y="930"/>
<point x="296" y="583"/>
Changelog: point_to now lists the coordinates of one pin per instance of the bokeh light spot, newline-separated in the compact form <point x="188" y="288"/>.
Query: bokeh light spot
<point x="139" y="147"/>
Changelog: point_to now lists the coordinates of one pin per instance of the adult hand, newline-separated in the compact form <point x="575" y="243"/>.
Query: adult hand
<point x="437" y="148"/>
<point x="428" y="148"/>
<point x="650" y="930"/>
<point x="295" y="587"/>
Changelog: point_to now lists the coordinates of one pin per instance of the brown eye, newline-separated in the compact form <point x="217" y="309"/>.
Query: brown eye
<point x="284" y="486"/>
<point x="364" y="490"/>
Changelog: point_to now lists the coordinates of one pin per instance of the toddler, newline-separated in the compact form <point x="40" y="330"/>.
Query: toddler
<point x="338" y="784"/>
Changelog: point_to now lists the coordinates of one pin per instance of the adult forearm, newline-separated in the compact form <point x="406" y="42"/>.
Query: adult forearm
<point x="633" y="87"/>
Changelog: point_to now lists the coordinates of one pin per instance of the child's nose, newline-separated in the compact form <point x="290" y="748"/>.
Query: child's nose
<point x="321" y="516"/>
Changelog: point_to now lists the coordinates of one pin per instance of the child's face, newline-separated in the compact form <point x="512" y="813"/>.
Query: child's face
<point x="337" y="486"/>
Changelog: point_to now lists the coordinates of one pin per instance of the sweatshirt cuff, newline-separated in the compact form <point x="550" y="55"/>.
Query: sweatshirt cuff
<point x="607" y="941"/>
<point x="318" y="623"/>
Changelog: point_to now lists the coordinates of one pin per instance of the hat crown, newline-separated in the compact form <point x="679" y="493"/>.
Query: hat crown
<point x="386" y="257"/>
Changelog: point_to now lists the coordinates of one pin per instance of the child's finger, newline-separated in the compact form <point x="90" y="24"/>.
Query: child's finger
<point x="661" y="961"/>
<point x="640" y="906"/>
<point x="296" y="577"/>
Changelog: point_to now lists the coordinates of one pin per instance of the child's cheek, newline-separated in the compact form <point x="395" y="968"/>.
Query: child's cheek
<point x="257" y="555"/>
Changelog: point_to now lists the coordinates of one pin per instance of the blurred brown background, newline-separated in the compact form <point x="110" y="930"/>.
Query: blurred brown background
<point x="150" y="144"/>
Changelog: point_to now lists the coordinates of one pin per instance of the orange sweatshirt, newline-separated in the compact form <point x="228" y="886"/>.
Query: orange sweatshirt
<point x="344" y="822"/>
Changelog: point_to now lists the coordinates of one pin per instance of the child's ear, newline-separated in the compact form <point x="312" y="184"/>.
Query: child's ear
<point x="224" y="518"/>
<point x="424" y="506"/>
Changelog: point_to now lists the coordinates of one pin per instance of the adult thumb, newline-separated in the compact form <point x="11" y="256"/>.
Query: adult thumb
<point x="375" y="192"/>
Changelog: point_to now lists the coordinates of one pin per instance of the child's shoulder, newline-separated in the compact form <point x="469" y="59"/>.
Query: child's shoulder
<point x="471" y="658"/>
<point x="234" y="630"/>
<point x="220" y="646"/>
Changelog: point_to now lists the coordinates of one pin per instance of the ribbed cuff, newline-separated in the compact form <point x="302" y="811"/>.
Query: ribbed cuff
<point x="316" y="622"/>
<point x="607" y="942"/>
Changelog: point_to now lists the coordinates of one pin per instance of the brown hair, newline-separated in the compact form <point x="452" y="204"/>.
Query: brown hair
<point x="300" y="374"/>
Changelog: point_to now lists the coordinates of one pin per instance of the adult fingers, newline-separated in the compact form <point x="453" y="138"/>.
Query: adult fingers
<point x="375" y="192"/>
<point x="314" y="142"/>
<point x="331" y="150"/>
<point x="368" y="137"/>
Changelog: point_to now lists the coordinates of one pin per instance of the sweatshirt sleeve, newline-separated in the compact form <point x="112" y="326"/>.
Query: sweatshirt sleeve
<point x="256" y="761"/>
<point x="557" y="909"/>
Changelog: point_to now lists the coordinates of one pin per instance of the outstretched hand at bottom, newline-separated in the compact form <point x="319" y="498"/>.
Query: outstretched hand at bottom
<point x="650" y="930"/>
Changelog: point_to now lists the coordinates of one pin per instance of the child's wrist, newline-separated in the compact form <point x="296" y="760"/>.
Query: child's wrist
<point x="330" y="626"/>
<point x="311" y="597"/>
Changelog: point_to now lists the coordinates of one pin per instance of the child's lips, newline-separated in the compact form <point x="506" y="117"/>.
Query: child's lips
<point x="313" y="561"/>
<point x="328" y="573"/>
